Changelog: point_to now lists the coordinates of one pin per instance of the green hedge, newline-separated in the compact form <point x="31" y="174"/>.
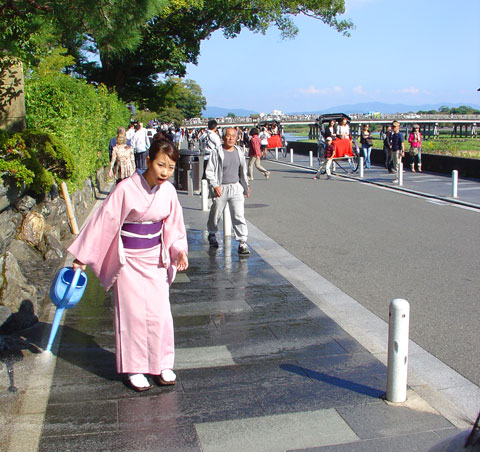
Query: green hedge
<point x="35" y="159"/>
<point x="82" y="117"/>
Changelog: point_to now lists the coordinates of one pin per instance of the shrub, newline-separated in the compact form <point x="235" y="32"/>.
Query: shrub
<point x="50" y="160"/>
<point x="35" y="159"/>
<point x="13" y="153"/>
<point x="81" y="116"/>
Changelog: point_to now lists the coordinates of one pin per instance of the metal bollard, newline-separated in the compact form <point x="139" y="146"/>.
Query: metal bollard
<point x="204" y="195"/>
<point x="227" y="222"/>
<point x="400" y="174"/>
<point x="360" y="165"/>
<point x="397" y="367"/>
<point x="291" y="155"/>
<point x="276" y="153"/>
<point x="310" y="158"/>
<point x="454" y="184"/>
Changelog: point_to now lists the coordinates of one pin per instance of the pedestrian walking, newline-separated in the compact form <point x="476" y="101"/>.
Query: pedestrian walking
<point x="122" y="163"/>
<point x="366" y="142"/>
<point x="264" y="136"/>
<point x="329" y="155"/>
<point x="415" y="140"/>
<point x="226" y="173"/>
<point x="387" y="148"/>
<point x="136" y="241"/>
<point x="398" y="147"/>
<point x="210" y="140"/>
<point x="255" y="154"/>
<point x="140" y="143"/>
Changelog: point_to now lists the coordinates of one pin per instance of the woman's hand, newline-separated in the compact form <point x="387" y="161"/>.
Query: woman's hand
<point x="77" y="264"/>
<point x="110" y="173"/>
<point x="182" y="261"/>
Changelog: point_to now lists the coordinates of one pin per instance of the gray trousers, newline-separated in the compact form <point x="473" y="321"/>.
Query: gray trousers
<point x="233" y="195"/>
<point x="255" y="161"/>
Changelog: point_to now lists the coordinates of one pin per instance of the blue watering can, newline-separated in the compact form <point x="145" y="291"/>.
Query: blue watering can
<point x="66" y="291"/>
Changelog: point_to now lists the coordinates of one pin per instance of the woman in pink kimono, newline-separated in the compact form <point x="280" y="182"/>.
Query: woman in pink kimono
<point x="136" y="241"/>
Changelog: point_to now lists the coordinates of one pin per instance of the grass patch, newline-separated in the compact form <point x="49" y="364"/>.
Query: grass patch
<point x="455" y="147"/>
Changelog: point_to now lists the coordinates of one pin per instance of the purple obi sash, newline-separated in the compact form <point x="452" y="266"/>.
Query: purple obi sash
<point x="141" y="235"/>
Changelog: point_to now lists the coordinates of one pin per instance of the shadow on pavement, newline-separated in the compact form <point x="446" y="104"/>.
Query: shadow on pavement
<point x="335" y="381"/>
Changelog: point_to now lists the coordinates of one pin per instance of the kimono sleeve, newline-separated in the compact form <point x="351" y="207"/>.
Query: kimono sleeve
<point x="174" y="235"/>
<point x="97" y="244"/>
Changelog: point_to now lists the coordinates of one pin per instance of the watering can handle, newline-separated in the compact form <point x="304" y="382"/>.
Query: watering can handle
<point x="69" y="293"/>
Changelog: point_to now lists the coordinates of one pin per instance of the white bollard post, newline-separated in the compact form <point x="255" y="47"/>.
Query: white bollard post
<point x="454" y="183"/>
<point x="291" y="155"/>
<point x="276" y="153"/>
<point x="227" y="222"/>
<point x="204" y="195"/>
<point x="310" y="158"/>
<point x="400" y="174"/>
<point x="360" y="166"/>
<point x="397" y="366"/>
<point x="190" y="181"/>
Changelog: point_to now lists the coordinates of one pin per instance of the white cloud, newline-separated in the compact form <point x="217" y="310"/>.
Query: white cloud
<point x="409" y="90"/>
<point x="312" y="91"/>
<point x="359" y="90"/>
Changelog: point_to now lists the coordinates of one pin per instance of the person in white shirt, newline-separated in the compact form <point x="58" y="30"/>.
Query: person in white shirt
<point x="343" y="129"/>
<point x="140" y="144"/>
<point x="130" y="133"/>
<point x="177" y="138"/>
<point x="264" y="136"/>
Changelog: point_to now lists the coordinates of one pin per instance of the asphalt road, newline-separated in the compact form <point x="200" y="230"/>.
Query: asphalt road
<point x="377" y="245"/>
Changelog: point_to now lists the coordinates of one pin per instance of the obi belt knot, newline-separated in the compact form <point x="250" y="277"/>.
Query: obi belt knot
<point x="141" y="235"/>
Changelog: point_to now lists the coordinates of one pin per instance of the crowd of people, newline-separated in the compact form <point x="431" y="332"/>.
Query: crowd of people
<point x="336" y="136"/>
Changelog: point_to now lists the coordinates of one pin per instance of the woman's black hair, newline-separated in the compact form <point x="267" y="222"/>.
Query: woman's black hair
<point x="163" y="146"/>
<point x="254" y="131"/>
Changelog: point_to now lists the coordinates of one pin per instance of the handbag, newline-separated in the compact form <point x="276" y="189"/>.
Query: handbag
<point x="413" y="151"/>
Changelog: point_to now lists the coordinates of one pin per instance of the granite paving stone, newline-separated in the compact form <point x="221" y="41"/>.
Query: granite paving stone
<point x="274" y="433"/>
<point x="419" y="442"/>
<point x="80" y="417"/>
<point x="371" y="421"/>
<point x="164" y="437"/>
<point x="259" y="368"/>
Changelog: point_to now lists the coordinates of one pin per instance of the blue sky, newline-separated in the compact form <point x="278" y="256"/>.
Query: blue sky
<point x="410" y="52"/>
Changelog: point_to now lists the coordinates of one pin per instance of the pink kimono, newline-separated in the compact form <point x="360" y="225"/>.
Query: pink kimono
<point x="141" y="277"/>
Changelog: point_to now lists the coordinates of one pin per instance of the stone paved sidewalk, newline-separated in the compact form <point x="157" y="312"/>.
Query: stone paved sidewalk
<point x="260" y="368"/>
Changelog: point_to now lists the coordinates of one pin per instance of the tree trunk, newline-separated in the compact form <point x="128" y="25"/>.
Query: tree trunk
<point x="12" y="99"/>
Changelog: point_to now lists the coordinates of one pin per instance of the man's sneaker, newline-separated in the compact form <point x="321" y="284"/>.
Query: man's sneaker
<point x="243" y="248"/>
<point x="212" y="240"/>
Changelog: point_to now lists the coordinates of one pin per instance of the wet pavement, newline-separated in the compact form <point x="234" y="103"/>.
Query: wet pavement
<point x="261" y="365"/>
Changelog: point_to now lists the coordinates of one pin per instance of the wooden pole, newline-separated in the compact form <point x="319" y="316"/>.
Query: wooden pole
<point x="71" y="215"/>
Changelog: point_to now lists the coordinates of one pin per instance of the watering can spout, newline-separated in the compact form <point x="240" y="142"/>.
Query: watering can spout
<point x="66" y="291"/>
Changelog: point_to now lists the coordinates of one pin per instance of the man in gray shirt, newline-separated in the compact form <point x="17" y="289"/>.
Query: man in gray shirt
<point x="227" y="178"/>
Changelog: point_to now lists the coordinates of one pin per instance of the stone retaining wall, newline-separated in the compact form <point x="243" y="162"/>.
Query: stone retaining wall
<point x="442" y="164"/>
<point x="33" y="238"/>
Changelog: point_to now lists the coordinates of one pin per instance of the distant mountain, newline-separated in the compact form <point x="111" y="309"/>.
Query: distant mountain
<point x="381" y="107"/>
<point x="219" y="112"/>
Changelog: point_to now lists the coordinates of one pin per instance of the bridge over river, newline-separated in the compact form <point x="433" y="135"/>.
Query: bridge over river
<point x="463" y="126"/>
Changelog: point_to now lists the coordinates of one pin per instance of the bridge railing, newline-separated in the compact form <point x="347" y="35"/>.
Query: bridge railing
<point x="356" y="118"/>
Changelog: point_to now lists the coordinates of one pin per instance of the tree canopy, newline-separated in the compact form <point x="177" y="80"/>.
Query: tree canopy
<point x="128" y="48"/>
